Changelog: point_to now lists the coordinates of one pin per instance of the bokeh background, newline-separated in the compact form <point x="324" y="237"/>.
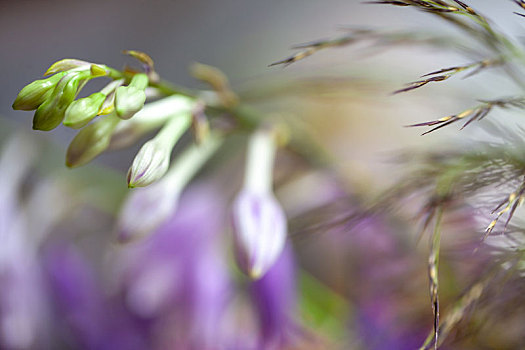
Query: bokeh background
<point x="363" y="284"/>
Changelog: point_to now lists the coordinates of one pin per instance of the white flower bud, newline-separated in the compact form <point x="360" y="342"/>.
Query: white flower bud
<point x="259" y="223"/>
<point x="259" y="227"/>
<point x="153" y="159"/>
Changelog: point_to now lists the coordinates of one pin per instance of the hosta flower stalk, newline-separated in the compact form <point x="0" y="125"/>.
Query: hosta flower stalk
<point x="259" y="222"/>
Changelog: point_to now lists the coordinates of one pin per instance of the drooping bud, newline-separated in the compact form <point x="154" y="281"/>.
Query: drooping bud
<point x="260" y="232"/>
<point x="259" y="223"/>
<point x="149" y="165"/>
<point x="82" y="111"/>
<point x="35" y="93"/>
<point x="130" y="99"/>
<point x="148" y="208"/>
<point x="153" y="159"/>
<point x="91" y="141"/>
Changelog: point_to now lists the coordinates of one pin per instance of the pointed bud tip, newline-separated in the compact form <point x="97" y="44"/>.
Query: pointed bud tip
<point x="65" y="65"/>
<point x="150" y="164"/>
<point x="17" y="106"/>
<point x="71" y="164"/>
<point x="97" y="70"/>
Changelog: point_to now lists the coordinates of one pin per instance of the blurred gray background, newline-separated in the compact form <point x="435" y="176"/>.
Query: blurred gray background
<point x="240" y="37"/>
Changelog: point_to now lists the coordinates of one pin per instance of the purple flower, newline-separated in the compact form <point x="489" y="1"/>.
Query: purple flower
<point x="379" y="326"/>
<point x="95" y="321"/>
<point x="275" y="298"/>
<point x="179" y="277"/>
<point x="22" y="308"/>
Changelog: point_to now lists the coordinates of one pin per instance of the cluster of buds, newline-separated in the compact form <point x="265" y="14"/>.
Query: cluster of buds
<point x="53" y="98"/>
<point x="118" y="115"/>
<point x="115" y="116"/>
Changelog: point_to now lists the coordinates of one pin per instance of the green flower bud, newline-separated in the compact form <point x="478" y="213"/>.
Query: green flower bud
<point x="130" y="99"/>
<point x="71" y="64"/>
<point x="65" y="65"/>
<point x="153" y="159"/>
<point x="51" y="113"/>
<point x="91" y="141"/>
<point x="82" y="111"/>
<point x="35" y="93"/>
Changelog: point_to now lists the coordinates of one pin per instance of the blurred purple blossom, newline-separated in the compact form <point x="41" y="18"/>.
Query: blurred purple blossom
<point x="275" y="298"/>
<point x="96" y="322"/>
<point x="22" y="305"/>
<point x="259" y="228"/>
<point x="179" y="276"/>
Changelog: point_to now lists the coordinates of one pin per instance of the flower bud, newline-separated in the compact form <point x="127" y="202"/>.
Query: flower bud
<point x="139" y="81"/>
<point x="82" y="111"/>
<point x="35" y="93"/>
<point x="147" y="208"/>
<point x="150" y="164"/>
<point x="259" y="223"/>
<point x="259" y="227"/>
<point x="65" y="65"/>
<point x="152" y="161"/>
<point x="130" y="99"/>
<point x="91" y="141"/>
<point x="51" y="113"/>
